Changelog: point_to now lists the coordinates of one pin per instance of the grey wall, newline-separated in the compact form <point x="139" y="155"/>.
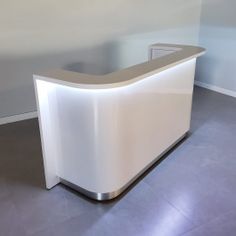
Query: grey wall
<point x="82" y="35"/>
<point x="218" y="35"/>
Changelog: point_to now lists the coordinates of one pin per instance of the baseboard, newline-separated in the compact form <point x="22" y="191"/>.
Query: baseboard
<point x="216" y="88"/>
<point x="15" y="118"/>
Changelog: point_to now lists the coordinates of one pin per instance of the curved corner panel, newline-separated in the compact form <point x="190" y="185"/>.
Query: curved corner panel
<point x="111" y="195"/>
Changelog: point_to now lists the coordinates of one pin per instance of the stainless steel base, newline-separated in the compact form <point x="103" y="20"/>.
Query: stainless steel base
<point x="111" y="195"/>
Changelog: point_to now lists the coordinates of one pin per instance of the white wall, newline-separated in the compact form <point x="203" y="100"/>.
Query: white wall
<point x="82" y="35"/>
<point x="218" y="35"/>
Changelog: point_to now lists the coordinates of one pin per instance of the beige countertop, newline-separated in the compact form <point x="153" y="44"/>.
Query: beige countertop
<point x="179" y="54"/>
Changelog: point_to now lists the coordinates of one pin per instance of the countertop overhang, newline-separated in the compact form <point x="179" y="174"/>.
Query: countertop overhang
<point x="180" y="54"/>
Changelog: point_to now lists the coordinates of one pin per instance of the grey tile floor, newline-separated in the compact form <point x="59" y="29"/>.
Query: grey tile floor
<point x="191" y="192"/>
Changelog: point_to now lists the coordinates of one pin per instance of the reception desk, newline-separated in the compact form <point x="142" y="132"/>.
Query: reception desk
<point x="100" y="133"/>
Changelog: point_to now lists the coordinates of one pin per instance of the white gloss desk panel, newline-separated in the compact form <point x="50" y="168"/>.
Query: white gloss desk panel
<point x="100" y="133"/>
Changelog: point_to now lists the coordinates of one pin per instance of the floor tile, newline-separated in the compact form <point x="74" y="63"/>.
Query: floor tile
<point x="223" y="225"/>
